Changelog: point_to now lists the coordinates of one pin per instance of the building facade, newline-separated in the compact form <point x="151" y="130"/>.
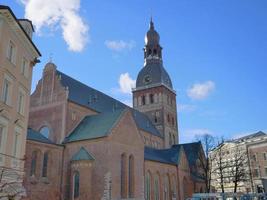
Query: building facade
<point x="18" y="55"/>
<point x="248" y="154"/>
<point x="83" y="144"/>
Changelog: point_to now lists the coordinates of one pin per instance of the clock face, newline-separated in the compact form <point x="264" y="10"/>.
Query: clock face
<point x="147" y="79"/>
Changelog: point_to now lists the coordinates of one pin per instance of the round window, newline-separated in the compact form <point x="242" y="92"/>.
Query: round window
<point x="45" y="131"/>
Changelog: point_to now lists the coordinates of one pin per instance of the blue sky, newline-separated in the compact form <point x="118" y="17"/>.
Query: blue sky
<point x="214" y="50"/>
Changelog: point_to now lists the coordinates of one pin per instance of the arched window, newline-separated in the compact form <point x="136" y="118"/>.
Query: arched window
<point x="33" y="163"/>
<point x="151" y="98"/>
<point x="45" y="131"/>
<point x="143" y="100"/>
<point x="173" y="139"/>
<point x="174" y="188"/>
<point x="166" y="188"/>
<point x="45" y="165"/>
<point x="131" y="176"/>
<point x="123" y="176"/>
<point x="185" y="182"/>
<point x="156" y="187"/>
<point x="155" y="51"/>
<point x="76" y="185"/>
<point x="149" y="52"/>
<point x="170" y="139"/>
<point x="148" y="186"/>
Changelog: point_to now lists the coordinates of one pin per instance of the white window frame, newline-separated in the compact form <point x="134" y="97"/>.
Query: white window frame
<point x="8" y="100"/>
<point x="4" y="124"/>
<point x="12" y="57"/>
<point x="24" y="67"/>
<point x="16" y="147"/>
<point x="21" y="101"/>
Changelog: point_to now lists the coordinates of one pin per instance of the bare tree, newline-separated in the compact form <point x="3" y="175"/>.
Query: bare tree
<point x="220" y="164"/>
<point x="208" y="143"/>
<point x="10" y="189"/>
<point x="238" y="166"/>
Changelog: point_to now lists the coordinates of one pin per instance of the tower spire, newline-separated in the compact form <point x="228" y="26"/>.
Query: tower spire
<point x="151" y="25"/>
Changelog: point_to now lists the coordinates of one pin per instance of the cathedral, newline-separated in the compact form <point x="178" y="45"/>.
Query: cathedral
<point x="85" y="145"/>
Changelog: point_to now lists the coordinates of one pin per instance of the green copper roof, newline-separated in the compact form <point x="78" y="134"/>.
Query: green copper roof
<point x="82" y="154"/>
<point x="37" y="136"/>
<point x="95" y="126"/>
<point x="96" y="100"/>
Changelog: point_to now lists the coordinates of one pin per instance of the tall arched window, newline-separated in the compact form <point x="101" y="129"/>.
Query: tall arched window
<point x="174" y="193"/>
<point x="45" y="165"/>
<point x="76" y="185"/>
<point x="45" y="131"/>
<point x="123" y="176"/>
<point x="33" y="163"/>
<point x="131" y="176"/>
<point x="151" y="98"/>
<point x="143" y="100"/>
<point x="148" y="186"/>
<point x="156" y="187"/>
<point x="166" y="188"/>
<point x="170" y="139"/>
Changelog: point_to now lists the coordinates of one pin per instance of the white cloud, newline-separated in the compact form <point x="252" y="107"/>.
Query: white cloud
<point x="119" y="45"/>
<point x="186" y="108"/>
<point x="126" y="83"/>
<point x="63" y="13"/>
<point x="201" y="91"/>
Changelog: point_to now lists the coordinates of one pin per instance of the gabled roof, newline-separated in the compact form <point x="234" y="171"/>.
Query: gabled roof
<point x="168" y="156"/>
<point x="37" y="136"/>
<point x="3" y="7"/>
<point x="192" y="151"/>
<point x="95" y="126"/>
<point x="93" y="99"/>
<point x="82" y="154"/>
<point x="247" y="137"/>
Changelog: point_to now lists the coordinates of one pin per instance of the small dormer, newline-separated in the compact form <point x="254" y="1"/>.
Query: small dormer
<point x="27" y="26"/>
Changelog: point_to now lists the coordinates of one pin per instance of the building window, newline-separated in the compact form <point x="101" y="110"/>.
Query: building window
<point x="16" y="144"/>
<point x="123" y="176"/>
<point x="155" y="119"/>
<point x="21" y="102"/>
<point x="33" y="163"/>
<point x="166" y="188"/>
<point x="73" y="116"/>
<point x="170" y="139"/>
<point x="265" y="156"/>
<point x="3" y="134"/>
<point x="131" y="176"/>
<point x="173" y="139"/>
<point x="168" y="118"/>
<point x="24" y="68"/>
<point x="6" y="91"/>
<point x="254" y="157"/>
<point x="156" y="187"/>
<point x="265" y="171"/>
<point x="45" y="131"/>
<point x="256" y="173"/>
<point x="148" y="186"/>
<point x="151" y="98"/>
<point x="172" y="121"/>
<point x="11" y="52"/>
<point x="143" y="100"/>
<point x="76" y="185"/>
<point x="45" y="165"/>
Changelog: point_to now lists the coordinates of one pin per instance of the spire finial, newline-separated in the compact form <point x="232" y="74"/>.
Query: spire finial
<point x="151" y="25"/>
<point x="51" y="57"/>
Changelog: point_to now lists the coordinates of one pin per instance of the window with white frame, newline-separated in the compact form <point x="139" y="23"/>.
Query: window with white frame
<point x="11" y="52"/>
<point x="16" y="144"/>
<point x="3" y="134"/>
<point x="21" y="101"/>
<point x="6" y="90"/>
<point x="24" y="67"/>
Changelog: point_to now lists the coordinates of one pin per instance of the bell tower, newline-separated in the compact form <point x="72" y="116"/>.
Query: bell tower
<point x="154" y="94"/>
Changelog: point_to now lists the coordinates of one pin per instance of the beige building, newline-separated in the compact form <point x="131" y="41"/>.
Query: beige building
<point x="18" y="55"/>
<point x="253" y="148"/>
